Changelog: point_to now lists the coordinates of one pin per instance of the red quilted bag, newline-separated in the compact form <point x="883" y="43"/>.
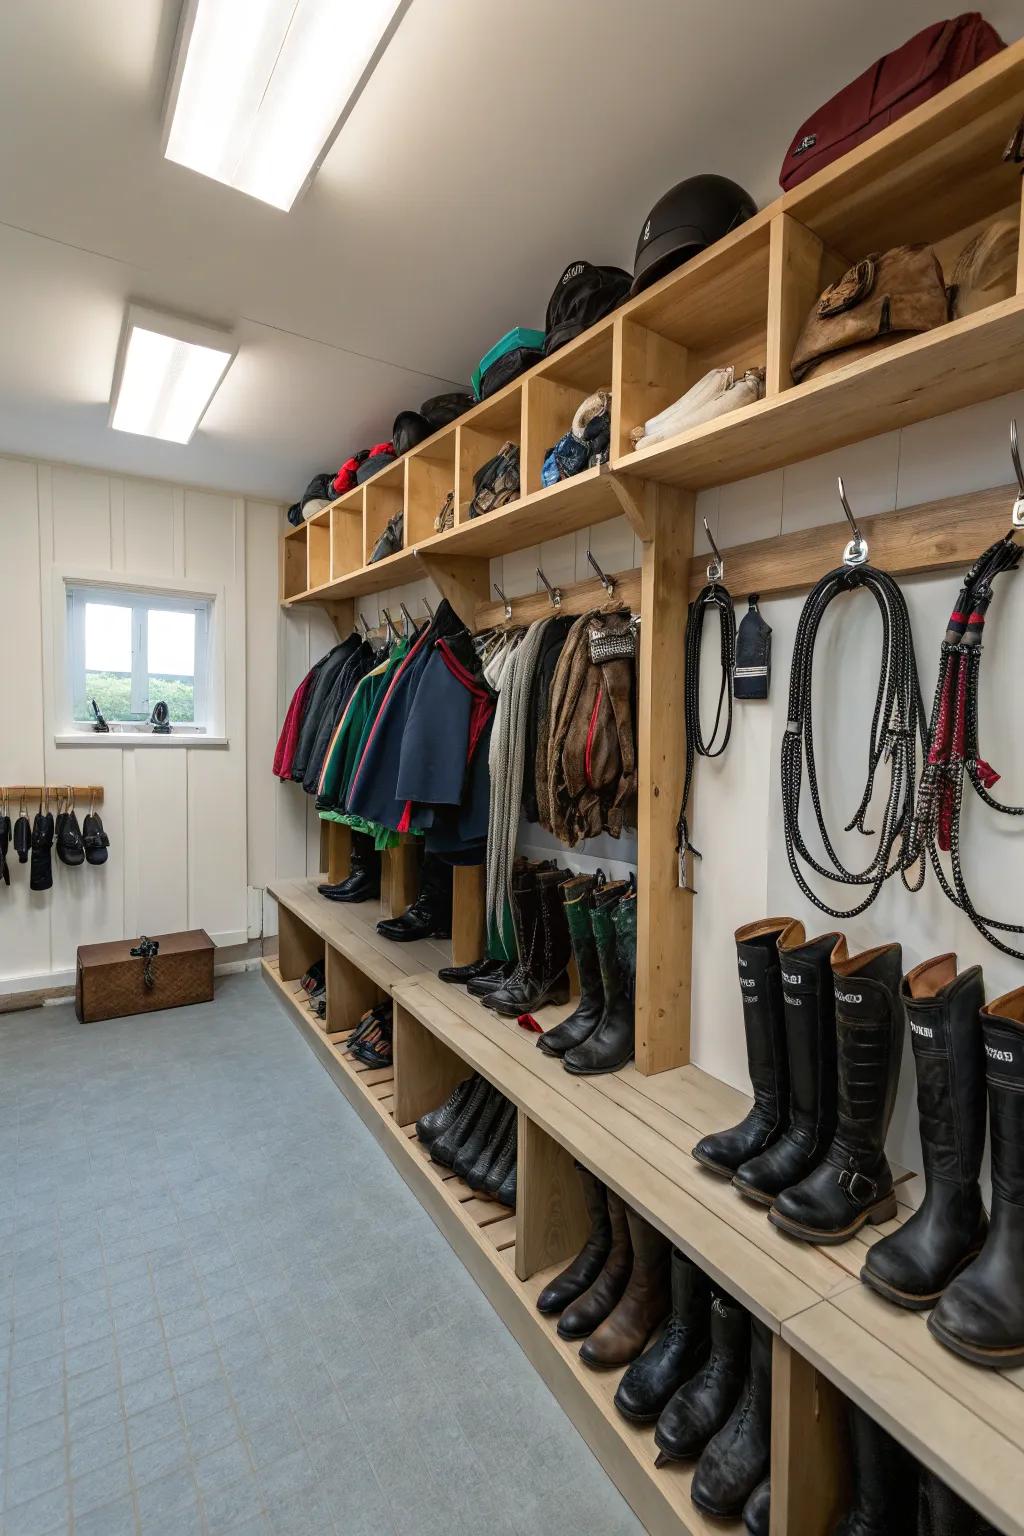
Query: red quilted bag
<point x="893" y="85"/>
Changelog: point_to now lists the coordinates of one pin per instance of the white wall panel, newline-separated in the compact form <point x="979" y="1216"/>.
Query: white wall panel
<point x="148" y="513"/>
<point x="209" y="536"/>
<point x="156" y="816"/>
<point x="81" y="518"/>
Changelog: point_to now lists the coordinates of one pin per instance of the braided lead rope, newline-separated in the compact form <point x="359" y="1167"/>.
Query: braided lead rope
<point x="712" y="598"/>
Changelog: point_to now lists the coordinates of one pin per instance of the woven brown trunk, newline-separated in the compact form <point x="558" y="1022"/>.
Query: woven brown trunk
<point x="110" y="982"/>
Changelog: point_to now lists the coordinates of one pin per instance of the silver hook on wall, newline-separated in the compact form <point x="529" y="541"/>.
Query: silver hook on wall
<point x="716" y="569"/>
<point x="508" y="605"/>
<point x="1017" y="515"/>
<point x="856" y="551"/>
<point x="366" y="627"/>
<point x="430" y="611"/>
<point x="392" y="631"/>
<point x="606" y="581"/>
<point x="554" y="593"/>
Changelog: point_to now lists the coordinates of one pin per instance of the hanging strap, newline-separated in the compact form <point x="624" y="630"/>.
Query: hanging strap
<point x="712" y="598"/>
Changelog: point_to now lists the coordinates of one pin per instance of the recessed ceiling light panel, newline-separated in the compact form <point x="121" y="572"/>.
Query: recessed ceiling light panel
<point x="166" y="374"/>
<point x="260" y="88"/>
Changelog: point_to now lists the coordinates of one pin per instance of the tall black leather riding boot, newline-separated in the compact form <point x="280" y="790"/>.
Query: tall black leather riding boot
<point x="700" y="1407"/>
<point x="941" y="1512"/>
<point x="981" y="1314"/>
<point x="913" y="1266"/>
<point x="611" y="1045"/>
<point x="590" y="1260"/>
<point x="482" y="1134"/>
<point x="737" y="1458"/>
<point x="363" y="880"/>
<point x="854" y="1182"/>
<point x="883" y="1495"/>
<point x="577" y="899"/>
<point x="444" y="1148"/>
<point x="764" y="1023"/>
<point x="430" y="1125"/>
<point x="430" y="916"/>
<point x="542" y="976"/>
<point x="650" y="1381"/>
<point x="809" y="1005"/>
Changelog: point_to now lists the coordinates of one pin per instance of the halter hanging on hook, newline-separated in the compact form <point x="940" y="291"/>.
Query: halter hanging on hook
<point x="508" y="605"/>
<point x="716" y="568"/>
<point x="856" y="551"/>
<point x="554" y="593"/>
<point x="606" y="581"/>
<point x="1017" y="515"/>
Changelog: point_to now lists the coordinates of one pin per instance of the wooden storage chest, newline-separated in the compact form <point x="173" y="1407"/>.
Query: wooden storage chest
<point x="110" y="982"/>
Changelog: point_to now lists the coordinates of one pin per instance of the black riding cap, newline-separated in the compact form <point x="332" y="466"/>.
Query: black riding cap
<point x="696" y="213"/>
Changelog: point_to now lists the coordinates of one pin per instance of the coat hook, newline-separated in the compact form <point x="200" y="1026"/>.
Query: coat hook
<point x="508" y="605"/>
<point x="606" y="581"/>
<point x="856" y="552"/>
<point x="554" y="593"/>
<point x="392" y="631"/>
<point x="366" y="627"/>
<point x="1017" y="515"/>
<point x="410" y="621"/>
<point x="716" y="568"/>
<point x="430" y="611"/>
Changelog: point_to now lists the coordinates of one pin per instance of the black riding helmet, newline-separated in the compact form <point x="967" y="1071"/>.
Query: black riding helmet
<point x="409" y="429"/>
<point x="696" y="213"/>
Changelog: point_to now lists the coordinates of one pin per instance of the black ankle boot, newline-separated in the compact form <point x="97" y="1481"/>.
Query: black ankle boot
<point x="737" y="1458"/>
<point x="611" y="1045"/>
<point x="490" y="980"/>
<point x="700" y="1407"/>
<point x="808" y="1000"/>
<point x="477" y="970"/>
<point x="853" y="1184"/>
<point x="650" y="1381"/>
<point x="941" y="1512"/>
<point x="883" y="1496"/>
<point x="763" y="1021"/>
<point x="577" y="898"/>
<point x="363" y="880"/>
<point x="430" y="1126"/>
<point x="589" y="1262"/>
<point x="488" y="1146"/>
<point x="505" y="1194"/>
<point x="542" y="976"/>
<point x="913" y="1266"/>
<point x="981" y="1314"/>
<point x="430" y="916"/>
<point x="481" y="1134"/>
<point x="444" y="1148"/>
<point x="757" y="1511"/>
<point x="505" y="1156"/>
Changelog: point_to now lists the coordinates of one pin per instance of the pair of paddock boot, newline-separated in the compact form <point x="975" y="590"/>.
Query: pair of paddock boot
<point x="540" y="974"/>
<point x="599" y="1036"/>
<point x="474" y="1132"/>
<point x="893" y="1495"/>
<point x="363" y="880"/>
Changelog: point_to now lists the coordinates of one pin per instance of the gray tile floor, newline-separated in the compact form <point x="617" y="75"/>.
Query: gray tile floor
<point x="224" y="1311"/>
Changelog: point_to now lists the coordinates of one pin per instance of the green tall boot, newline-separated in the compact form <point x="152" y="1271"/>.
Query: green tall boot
<point x="577" y="898"/>
<point x="610" y="1045"/>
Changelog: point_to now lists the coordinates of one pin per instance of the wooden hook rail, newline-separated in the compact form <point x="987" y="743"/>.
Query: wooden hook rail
<point x="51" y="791"/>
<point x="578" y="598"/>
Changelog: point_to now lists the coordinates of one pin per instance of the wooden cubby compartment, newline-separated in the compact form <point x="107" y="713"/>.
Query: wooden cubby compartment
<point x="347" y="534"/>
<point x="430" y="476"/>
<point x="490" y="427"/>
<point x="708" y="314"/>
<point x="554" y="392"/>
<point x="294" y="572"/>
<point x="318" y="549"/>
<point x="385" y="496"/>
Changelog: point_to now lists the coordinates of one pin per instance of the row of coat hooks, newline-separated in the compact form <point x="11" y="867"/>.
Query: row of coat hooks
<point x="44" y="792"/>
<point x="618" y="590"/>
<point x="388" y="625"/>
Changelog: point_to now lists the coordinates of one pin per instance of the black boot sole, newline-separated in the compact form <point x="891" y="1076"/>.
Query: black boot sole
<point x="551" y="998"/>
<point x="414" y="938"/>
<point x="913" y="1301"/>
<point x="637" y="1418"/>
<point x="757" y="1196"/>
<point x="597" y="1071"/>
<point x="732" y="1513"/>
<point x="995" y="1359"/>
<point x="882" y="1210"/>
<point x="722" y="1169"/>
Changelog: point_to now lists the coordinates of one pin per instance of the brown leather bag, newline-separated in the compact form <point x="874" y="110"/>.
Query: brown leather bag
<point x="876" y="303"/>
<point x="986" y="269"/>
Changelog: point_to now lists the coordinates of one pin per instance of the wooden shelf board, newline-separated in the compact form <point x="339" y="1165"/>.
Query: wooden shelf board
<point x="351" y="929"/>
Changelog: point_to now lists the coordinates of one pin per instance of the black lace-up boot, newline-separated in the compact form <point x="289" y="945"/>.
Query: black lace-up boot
<point x="430" y="916"/>
<point x="363" y="880"/>
<point x="650" y="1381"/>
<point x="444" y="1148"/>
<point x="697" y="1411"/>
<point x="591" y="1259"/>
<point x="913" y="1266"/>
<point x="808" y="1002"/>
<point x="736" y="1460"/>
<point x="430" y="1125"/>
<point x="542" y="976"/>
<point x="853" y="1184"/>
<point x="763" y="1020"/>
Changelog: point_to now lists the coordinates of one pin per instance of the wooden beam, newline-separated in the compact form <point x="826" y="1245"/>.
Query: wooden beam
<point x="469" y="934"/>
<point x="809" y="1460"/>
<point x="463" y="579"/>
<point x="629" y="492"/>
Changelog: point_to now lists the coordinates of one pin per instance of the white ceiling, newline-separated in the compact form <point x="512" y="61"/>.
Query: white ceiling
<point x="493" y="145"/>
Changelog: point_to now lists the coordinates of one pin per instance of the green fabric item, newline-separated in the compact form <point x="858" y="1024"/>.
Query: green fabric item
<point x="518" y="336"/>
<point x="602" y="922"/>
<point x="624" y="920"/>
<point x="347" y="748"/>
<point x="576" y="900"/>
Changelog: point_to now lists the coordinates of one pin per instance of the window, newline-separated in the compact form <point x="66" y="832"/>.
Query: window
<point x="129" y="650"/>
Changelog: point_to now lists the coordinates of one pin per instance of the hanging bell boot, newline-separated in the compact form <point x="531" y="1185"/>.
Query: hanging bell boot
<point x="592" y="1257"/>
<point x="482" y="1135"/>
<point x="853" y="1184"/>
<point x="941" y="1512"/>
<point x="543" y="975"/>
<point x="884" y="1491"/>
<point x="980" y="1316"/>
<point x="736" y="1460"/>
<point x="808" y="1001"/>
<point x="430" y="916"/>
<point x="94" y="840"/>
<point x="445" y="1147"/>
<point x="643" y="1305"/>
<point x="701" y="1406"/>
<point x="764" y="1024"/>
<point x="582" y="1316"/>
<point x="22" y="838"/>
<point x="430" y="1125"/>
<point x="492" y="1145"/>
<point x="650" y="1381"/>
<point x="363" y="880"/>
<point x="577" y="897"/>
<point x="757" y="1511"/>
<point x="611" y="1045"/>
<point x="913" y="1266"/>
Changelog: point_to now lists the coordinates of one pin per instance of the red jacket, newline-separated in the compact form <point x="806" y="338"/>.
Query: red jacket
<point x="288" y="739"/>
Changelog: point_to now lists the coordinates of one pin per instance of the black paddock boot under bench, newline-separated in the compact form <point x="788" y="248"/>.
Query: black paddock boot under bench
<point x="913" y="1267"/>
<point x="981" y="1314"/>
<point x="853" y="1184"/>
<point x="757" y="957"/>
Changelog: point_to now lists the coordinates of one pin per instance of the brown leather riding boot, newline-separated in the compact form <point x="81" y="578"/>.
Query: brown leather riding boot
<point x="582" y="1316"/>
<point x="645" y="1303"/>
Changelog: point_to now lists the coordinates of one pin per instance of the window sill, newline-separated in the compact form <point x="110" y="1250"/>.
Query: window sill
<point x="134" y="739"/>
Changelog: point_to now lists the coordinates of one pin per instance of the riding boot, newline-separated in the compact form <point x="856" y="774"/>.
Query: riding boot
<point x="592" y="1257"/>
<point x="488" y="1147"/>
<point x="981" y="1314"/>
<point x="757" y="1511"/>
<point x="430" y="916"/>
<point x="505" y="1156"/>
<point x="913" y="1266"/>
<point x="697" y="1411"/>
<point x="644" y="1303"/>
<point x="444" y="1148"/>
<point x="650" y="1381"/>
<point x="611" y="1045"/>
<point x="481" y="1134"/>
<point x="736" y="1460"/>
<point x="761" y="989"/>
<point x="543" y="976"/>
<point x="941" y="1512"/>
<point x="808" y="1001"/>
<point x="853" y="1184"/>
<point x="883" y="1494"/>
<point x="489" y="980"/>
<point x="583" y="1315"/>
<point x="490" y="975"/>
<point x="363" y="881"/>
<point x="577" y="898"/>
<point x="476" y="970"/>
<point x="430" y="1125"/>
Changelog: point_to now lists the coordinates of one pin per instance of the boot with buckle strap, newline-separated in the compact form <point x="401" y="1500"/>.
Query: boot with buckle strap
<point x="543" y="975"/>
<point x="913" y="1266"/>
<point x="650" y="1381"/>
<point x="808" y="1000"/>
<point x="853" y="1184"/>
<point x="764" y="1023"/>
<point x="577" y="898"/>
<point x="592" y="1257"/>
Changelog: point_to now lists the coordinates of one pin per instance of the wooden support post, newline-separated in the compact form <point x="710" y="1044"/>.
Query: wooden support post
<point x="324" y="860"/>
<point x="809" y="1460"/>
<point x="342" y="615"/>
<point x="469" y="934"/>
<point x="799" y="267"/>
<point x="297" y="945"/>
<point x="1020" y="245"/>
<point x="664" y="916"/>
<point x="400" y="872"/>
<point x="551" y="1217"/>
<point x="463" y="579"/>
<point x="339" y="851"/>
<point x="426" y="1070"/>
<point x="349" y="992"/>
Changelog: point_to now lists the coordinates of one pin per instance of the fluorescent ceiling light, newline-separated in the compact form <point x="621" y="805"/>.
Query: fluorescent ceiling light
<point x="260" y="88"/>
<point x="166" y="374"/>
